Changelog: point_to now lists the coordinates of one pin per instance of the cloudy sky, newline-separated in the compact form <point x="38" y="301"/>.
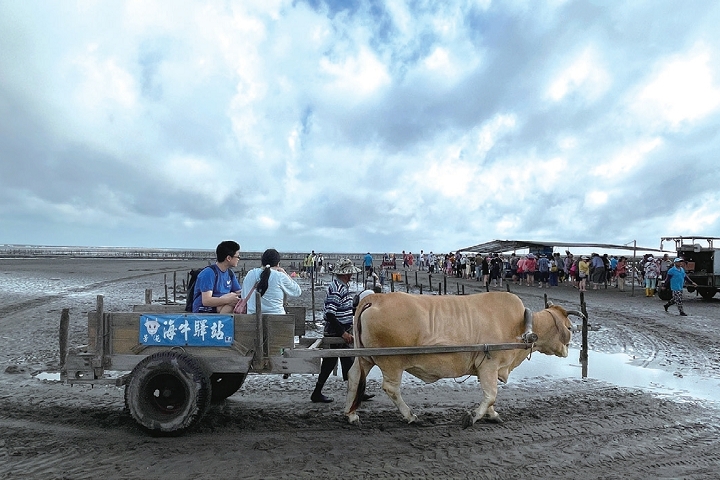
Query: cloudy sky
<point x="383" y="126"/>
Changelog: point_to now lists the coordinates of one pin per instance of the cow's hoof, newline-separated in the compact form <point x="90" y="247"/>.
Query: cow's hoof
<point x="353" y="419"/>
<point x="413" y="419"/>
<point x="467" y="420"/>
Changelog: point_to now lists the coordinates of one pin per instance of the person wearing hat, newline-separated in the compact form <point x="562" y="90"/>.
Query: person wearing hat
<point x="676" y="278"/>
<point x="652" y="272"/>
<point x="338" y="323"/>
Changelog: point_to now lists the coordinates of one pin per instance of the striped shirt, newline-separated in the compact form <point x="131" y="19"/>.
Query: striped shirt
<point x="339" y="302"/>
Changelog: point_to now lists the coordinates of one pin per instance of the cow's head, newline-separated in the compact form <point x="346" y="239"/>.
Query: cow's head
<point x="554" y="330"/>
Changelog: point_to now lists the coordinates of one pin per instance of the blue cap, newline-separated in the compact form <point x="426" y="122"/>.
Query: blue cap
<point x="678" y="260"/>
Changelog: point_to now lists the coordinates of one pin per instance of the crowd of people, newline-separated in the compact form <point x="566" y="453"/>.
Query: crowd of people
<point x="543" y="270"/>
<point x="583" y="272"/>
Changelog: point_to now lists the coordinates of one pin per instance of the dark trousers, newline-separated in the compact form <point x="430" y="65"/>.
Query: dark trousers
<point x="328" y="365"/>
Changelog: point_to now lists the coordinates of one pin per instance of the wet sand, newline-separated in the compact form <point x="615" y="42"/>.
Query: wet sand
<point x="554" y="426"/>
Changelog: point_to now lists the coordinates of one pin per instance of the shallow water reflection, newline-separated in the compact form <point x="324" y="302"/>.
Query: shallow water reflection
<point x="617" y="369"/>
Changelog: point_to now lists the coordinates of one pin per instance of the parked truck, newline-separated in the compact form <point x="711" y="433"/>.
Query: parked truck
<point x="702" y="263"/>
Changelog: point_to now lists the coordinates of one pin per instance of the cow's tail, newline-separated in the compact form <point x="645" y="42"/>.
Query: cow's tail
<point x="358" y="326"/>
<point x="359" y="393"/>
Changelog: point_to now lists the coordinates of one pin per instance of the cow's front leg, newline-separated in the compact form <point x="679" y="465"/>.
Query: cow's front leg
<point x="391" y="385"/>
<point x="357" y="377"/>
<point x="488" y="384"/>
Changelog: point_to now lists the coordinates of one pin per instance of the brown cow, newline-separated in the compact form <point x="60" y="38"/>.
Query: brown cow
<point x="403" y="320"/>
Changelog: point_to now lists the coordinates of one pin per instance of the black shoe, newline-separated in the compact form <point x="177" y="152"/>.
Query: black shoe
<point x="366" y="397"/>
<point x="683" y="314"/>
<point x="666" y="306"/>
<point x="320" y="398"/>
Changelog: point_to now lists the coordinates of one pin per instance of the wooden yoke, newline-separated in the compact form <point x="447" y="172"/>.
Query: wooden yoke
<point x="529" y="336"/>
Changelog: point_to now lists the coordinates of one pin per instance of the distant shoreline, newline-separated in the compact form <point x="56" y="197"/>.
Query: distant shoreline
<point x="42" y="251"/>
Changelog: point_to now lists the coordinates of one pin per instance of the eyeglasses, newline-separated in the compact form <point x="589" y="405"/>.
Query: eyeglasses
<point x="236" y="256"/>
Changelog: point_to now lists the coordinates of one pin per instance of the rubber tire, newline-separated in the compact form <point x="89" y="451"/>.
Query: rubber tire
<point x="225" y="384"/>
<point x="168" y="392"/>
<point x="706" y="293"/>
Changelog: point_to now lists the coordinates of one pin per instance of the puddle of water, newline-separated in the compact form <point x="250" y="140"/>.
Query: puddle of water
<point x="617" y="369"/>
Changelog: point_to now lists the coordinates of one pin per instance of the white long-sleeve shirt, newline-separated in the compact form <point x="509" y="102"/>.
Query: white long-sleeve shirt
<point x="279" y="285"/>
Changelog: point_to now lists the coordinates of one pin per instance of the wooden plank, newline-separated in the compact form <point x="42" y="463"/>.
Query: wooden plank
<point x="124" y="319"/>
<point x="100" y="332"/>
<point x="93" y="381"/>
<point x="430" y="349"/>
<point x="215" y="363"/>
<point x="280" y="332"/>
<point x="92" y="330"/>
<point x="79" y="367"/>
<point x="294" y="365"/>
<point x="245" y="331"/>
<point x="299" y="314"/>
<point x="307" y="341"/>
<point x="125" y="327"/>
<point x="159" y="308"/>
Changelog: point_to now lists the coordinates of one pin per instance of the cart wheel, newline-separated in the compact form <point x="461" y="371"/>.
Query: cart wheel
<point x="706" y="293"/>
<point x="168" y="392"/>
<point x="225" y="384"/>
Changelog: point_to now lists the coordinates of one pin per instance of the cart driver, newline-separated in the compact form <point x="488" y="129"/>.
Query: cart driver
<point x="338" y="323"/>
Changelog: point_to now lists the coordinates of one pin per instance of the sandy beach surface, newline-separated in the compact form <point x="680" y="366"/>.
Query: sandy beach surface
<point x="663" y="424"/>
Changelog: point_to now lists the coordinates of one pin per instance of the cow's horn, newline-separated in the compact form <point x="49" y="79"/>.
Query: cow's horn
<point x="577" y="314"/>
<point x="550" y="304"/>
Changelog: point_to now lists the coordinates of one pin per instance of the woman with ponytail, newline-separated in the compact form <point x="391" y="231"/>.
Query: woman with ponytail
<point x="272" y="282"/>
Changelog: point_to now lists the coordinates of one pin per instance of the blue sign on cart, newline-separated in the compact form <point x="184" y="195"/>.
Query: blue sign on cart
<point x="187" y="330"/>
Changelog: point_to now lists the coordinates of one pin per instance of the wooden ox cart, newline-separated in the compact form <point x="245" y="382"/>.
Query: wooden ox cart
<point x="174" y="364"/>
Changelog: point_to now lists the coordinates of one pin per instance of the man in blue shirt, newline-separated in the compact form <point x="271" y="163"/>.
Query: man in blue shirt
<point x="368" y="261"/>
<point x="216" y="289"/>
<point x="677" y="277"/>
